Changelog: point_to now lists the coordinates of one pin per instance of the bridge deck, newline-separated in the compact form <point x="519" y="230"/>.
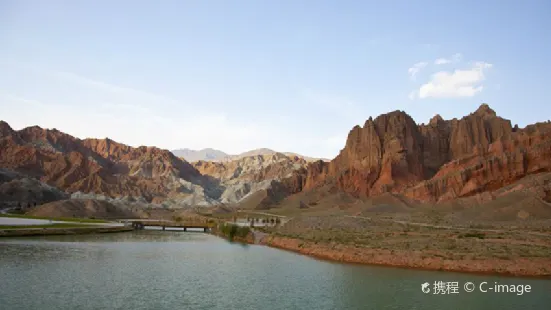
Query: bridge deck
<point x="169" y="224"/>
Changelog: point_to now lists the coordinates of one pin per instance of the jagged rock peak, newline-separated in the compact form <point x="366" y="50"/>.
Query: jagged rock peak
<point x="485" y="110"/>
<point x="5" y="128"/>
<point x="368" y="122"/>
<point x="436" y="119"/>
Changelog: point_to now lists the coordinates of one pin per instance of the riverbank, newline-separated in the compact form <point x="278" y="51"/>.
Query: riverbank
<point x="533" y="267"/>
<point x="89" y="229"/>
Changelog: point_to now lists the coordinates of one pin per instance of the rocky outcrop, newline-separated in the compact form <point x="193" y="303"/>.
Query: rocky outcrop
<point x="439" y="161"/>
<point x="383" y="155"/>
<point x="507" y="159"/>
<point x="101" y="166"/>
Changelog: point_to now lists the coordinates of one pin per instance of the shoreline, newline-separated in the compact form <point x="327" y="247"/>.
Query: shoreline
<point x="28" y="232"/>
<point x="341" y="253"/>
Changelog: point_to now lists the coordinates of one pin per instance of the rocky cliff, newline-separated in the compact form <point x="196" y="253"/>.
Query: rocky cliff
<point x="439" y="161"/>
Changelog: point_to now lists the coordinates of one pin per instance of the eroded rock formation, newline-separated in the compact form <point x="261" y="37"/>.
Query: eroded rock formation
<point x="442" y="160"/>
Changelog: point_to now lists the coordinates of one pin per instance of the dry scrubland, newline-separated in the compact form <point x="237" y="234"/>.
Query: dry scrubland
<point x="434" y="240"/>
<point x="509" y="233"/>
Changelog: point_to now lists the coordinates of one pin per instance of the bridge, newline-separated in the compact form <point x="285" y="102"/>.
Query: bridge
<point x="142" y="223"/>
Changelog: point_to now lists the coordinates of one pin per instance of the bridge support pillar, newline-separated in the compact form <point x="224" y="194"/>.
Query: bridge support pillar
<point x="185" y="228"/>
<point x="163" y="227"/>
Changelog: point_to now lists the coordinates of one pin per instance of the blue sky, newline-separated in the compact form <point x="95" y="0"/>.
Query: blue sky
<point x="288" y="75"/>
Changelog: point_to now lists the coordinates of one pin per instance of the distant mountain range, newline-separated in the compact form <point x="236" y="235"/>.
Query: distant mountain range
<point x="210" y="154"/>
<point x="480" y="157"/>
<point x="204" y="154"/>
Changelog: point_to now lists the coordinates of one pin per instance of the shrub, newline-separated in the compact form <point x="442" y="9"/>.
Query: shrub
<point x="472" y="235"/>
<point x="232" y="230"/>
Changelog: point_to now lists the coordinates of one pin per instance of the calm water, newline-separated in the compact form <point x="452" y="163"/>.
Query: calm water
<point x="175" y="270"/>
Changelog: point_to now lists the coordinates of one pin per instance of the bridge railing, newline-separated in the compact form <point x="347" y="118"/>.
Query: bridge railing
<point x="176" y="223"/>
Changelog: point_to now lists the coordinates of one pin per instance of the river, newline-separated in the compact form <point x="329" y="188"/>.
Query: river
<point x="176" y="270"/>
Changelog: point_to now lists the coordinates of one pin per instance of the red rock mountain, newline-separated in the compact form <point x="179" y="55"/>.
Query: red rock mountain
<point x="91" y="165"/>
<point x="439" y="161"/>
<point x="442" y="160"/>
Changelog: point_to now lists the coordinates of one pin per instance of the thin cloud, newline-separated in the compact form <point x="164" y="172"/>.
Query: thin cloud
<point x="15" y="98"/>
<point x="454" y="59"/>
<point x="125" y="91"/>
<point x="416" y="68"/>
<point x="133" y="95"/>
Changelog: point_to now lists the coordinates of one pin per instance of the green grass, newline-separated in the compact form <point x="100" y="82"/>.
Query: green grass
<point x="55" y="225"/>
<point x="65" y="219"/>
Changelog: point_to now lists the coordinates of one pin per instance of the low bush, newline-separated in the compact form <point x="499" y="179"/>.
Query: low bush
<point x="231" y="231"/>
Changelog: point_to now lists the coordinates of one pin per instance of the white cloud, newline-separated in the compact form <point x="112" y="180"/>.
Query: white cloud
<point x="454" y="59"/>
<point x="416" y="68"/>
<point x="459" y="83"/>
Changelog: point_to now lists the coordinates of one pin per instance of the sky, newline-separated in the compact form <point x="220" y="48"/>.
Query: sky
<point x="293" y="76"/>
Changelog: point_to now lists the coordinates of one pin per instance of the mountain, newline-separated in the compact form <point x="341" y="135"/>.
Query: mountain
<point x="101" y="166"/>
<point x="480" y="156"/>
<point x="209" y="154"/>
<point x="266" y="178"/>
<point x="440" y="161"/>
<point x="44" y="165"/>
<point x="266" y="151"/>
<point x="204" y="154"/>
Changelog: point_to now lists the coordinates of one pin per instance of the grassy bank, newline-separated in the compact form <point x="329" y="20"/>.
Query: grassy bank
<point x="62" y="230"/>
<point x="65" y="219"/>
<point x="54" y="225"/>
